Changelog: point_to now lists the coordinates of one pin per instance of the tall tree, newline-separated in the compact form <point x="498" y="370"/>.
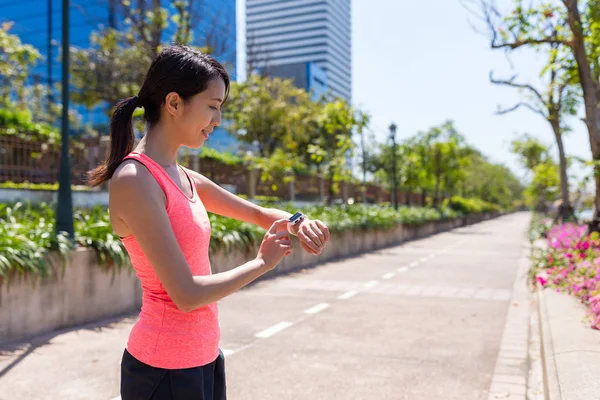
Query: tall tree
<point x="545" y="178"/>
<point x="16" y="60"/>
<point x="569" y="24"/>
<point x="114" y="65"/>
<point x="558" y="100"/>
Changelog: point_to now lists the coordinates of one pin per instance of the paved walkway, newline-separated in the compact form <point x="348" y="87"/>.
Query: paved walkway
<point x="434" y="318"/>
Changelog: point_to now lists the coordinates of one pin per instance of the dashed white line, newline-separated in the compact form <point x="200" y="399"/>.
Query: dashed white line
<point x="347" y="295"/>
<point x="402" y="269"/>
<point x="273" y="330"/>
<point x="424" y="259"/>
<point x="371" y="284"/>
<point x="413" y="264"/>
<point x="316" y="309"/>
<point x="388" y="275"/>
<point x="227" y="352"/>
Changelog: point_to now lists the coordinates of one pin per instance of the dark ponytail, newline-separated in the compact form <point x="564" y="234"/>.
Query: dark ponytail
<point x="121" y="140"/>
<point x="177" y="69"/>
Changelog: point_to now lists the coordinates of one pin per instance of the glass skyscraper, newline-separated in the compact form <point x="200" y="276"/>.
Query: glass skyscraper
<point x="39" y="23"/>
<point x="301" y="39"/>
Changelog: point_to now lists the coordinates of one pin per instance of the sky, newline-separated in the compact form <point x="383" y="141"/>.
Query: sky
<point x="420" y="63"/>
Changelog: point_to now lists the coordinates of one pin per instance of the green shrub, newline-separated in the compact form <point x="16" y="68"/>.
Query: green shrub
<point x="19" y="123"/>
<point x="26" y="240"/>
<point x="470" y="206"/>
<point x="222" y="157"/>
<point x="39" y="186"/>
<point x="27" y="232"/>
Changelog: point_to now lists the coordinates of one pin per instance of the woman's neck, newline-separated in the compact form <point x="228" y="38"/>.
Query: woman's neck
<point x="156" y="145"/>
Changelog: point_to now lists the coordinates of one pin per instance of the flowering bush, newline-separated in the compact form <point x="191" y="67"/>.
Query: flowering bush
<point x="571" y="264"/>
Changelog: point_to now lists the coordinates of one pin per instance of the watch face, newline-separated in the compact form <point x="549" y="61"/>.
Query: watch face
<point x="296" y="217"/>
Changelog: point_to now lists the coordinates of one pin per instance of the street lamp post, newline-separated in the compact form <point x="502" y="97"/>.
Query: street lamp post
<point x="64" y="208"/>
<point x="394" y="166"/>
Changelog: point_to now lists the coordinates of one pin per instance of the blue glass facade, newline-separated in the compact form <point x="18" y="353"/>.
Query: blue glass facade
<point x="39" y="23"/>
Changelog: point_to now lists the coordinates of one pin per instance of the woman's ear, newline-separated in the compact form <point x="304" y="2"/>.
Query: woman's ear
<point x="174" y="104"/>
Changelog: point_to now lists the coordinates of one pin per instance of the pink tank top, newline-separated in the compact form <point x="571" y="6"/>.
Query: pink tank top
<point x="164" y="336"/>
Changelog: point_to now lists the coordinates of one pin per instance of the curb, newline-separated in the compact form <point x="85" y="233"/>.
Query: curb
<point x="570" y="348"/>
<point x="550" y="375"/>
<point x="536" y="382"/>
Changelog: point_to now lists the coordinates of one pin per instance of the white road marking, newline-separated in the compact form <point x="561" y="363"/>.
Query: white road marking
<point x="413" y="264"/>
<point x="273" y="330"/>
<point x="388" y="275"/>
<point x="347" y="295"/>
<point x="371" y="284"/>
<point x="227" y="352"/>
<point x="402" y="269"/>
<point x="316" y="309"/>
<point x="424" y="259"/>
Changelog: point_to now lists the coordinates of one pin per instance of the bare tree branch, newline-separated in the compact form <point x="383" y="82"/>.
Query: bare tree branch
<point x="519" y="43"/>
<point x="519" y="105"/>
<point x="511" y="83"/>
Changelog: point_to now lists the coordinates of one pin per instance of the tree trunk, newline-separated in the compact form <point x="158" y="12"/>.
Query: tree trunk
<point x="590" y="98"/>
<point x="565" y="211"/>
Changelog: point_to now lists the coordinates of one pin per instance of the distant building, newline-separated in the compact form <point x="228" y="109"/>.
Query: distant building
<point x="307" y="40"/>
<point x="39" y="23"/>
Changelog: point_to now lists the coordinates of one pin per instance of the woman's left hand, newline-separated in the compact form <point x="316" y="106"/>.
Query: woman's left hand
<point x="313" y="235"/>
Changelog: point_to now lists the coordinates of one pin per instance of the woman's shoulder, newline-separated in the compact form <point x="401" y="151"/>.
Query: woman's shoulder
<point x="132" y="179"/>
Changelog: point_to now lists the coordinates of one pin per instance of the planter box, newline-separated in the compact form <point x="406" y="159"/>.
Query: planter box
<point x="86" y="292"/>
<point x="86" y="199"/>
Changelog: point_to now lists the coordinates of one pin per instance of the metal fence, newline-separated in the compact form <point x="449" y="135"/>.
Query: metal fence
<point x="38" y="162"/>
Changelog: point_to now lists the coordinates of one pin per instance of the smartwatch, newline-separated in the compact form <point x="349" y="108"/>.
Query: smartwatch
<point x="295" y="219"/>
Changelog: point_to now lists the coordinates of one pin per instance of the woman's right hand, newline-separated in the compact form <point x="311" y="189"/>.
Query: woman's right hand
<point x="275" y="245"/>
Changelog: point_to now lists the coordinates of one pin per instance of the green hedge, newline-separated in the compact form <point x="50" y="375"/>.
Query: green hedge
<point x="40" y="186"/>
<point x="470" y="206"/>
<point x="27" y="240"/>
<point x="19" y="123"/>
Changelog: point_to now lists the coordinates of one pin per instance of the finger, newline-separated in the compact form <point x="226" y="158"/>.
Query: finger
<point x="277" y="224"/>
<point x="308" y="241"/>
<point x="314" y="237"/>
<point x="308" y="249"/>
<point x="317" y="230"/>
<point x="282" y="234"/>
<point x="323" y="228"/>
<point x="284" y="242"/>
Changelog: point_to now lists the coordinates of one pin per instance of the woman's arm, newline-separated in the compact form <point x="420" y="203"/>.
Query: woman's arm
<point x="137" y="200"/>
<point x="313" y="234"/>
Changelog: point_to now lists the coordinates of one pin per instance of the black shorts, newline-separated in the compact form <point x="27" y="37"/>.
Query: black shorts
<point x="141" y="381"/>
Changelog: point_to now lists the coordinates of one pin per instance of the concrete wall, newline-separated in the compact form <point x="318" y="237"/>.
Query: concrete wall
<point x="86" y="292"/>
<point x="80" y="199"/>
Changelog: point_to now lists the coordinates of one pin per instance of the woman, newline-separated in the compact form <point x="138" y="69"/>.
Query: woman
<point x="159" y="210"/>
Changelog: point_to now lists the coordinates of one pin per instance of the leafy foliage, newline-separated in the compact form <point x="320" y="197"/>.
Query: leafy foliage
<point x="27" y="232"/>
<point x="20" y="123"/>
<point x="39" y="186"/>
<point x="471" y="206"/>
<point x="16" y="59"/>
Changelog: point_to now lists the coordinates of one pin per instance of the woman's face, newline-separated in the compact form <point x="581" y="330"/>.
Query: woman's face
<point x="201" y="114"/>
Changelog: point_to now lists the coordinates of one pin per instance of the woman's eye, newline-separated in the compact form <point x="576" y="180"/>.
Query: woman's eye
<point x="213" y="108"/>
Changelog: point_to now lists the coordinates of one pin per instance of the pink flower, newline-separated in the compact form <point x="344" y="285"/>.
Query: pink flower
<point x="581" y="255"/>
<point x="586" y="245"/>
<point x="542" y="281"/>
